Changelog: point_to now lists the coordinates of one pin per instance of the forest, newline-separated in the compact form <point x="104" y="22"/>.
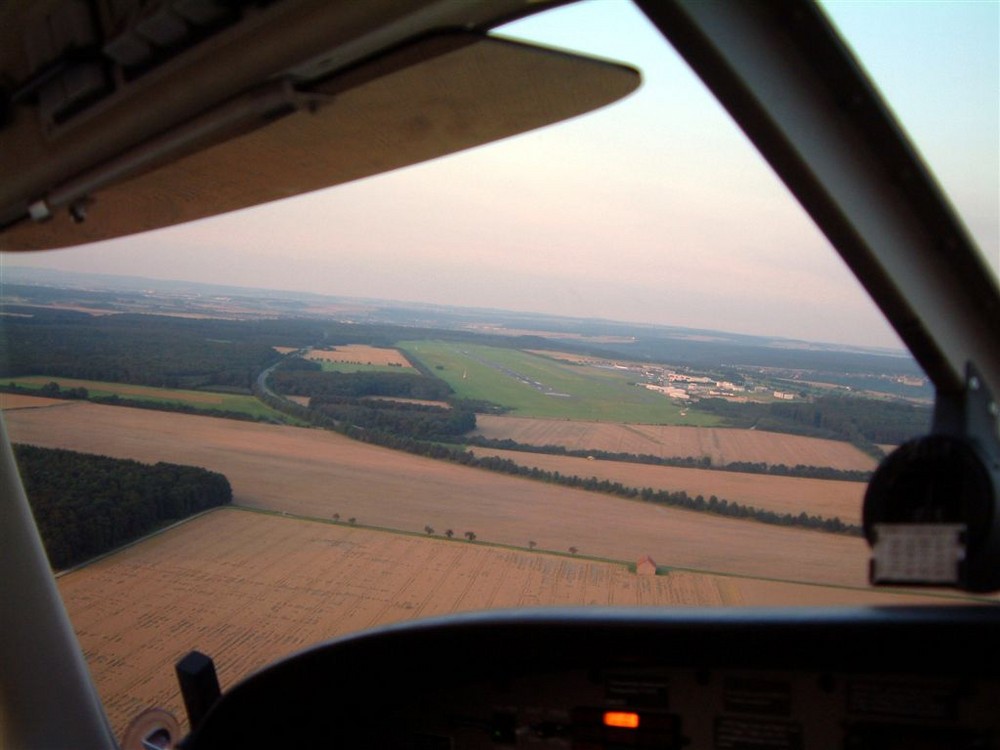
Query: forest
<point x="175" y="352"/>
<point x="862" y="421"/>
<point x="370" y="400"/>
<point x="412" y="420"/>
<point x="85" y="505"/>
<point x="138" y="349"/>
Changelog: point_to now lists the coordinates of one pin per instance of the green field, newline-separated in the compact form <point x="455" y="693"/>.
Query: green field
<point x="207" y="401"/>
<point x="587" y="393"/>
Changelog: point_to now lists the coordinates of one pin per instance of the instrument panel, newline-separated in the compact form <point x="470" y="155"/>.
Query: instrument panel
<point x="580" y="680"/>
<point x="721" y="709"/>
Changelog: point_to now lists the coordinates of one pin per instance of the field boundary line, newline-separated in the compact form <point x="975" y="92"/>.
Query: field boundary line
<point x="667" y="569"/>
<point x="140" y="540"/>
<point x="661" y="570"/>
<point x="424" y="535"/>
<point x="632" y="428"/>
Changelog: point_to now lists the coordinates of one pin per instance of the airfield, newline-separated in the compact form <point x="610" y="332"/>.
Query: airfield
<point x="276" y="573"/>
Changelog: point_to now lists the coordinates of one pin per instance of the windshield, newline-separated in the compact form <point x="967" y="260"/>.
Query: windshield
<point x="945" y="96"/>
<point x="608" y="362"/>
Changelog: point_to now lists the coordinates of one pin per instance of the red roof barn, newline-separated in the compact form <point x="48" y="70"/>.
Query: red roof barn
<point x="646" y="566"/>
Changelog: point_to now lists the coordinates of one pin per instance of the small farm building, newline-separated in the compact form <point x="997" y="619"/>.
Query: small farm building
<point x="645" y="566"/>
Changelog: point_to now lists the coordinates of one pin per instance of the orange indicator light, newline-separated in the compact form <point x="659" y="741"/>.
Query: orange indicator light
<point x="621" y="719"/>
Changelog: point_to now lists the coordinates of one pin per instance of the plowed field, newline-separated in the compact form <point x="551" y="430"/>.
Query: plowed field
<point x="721" y="445"/>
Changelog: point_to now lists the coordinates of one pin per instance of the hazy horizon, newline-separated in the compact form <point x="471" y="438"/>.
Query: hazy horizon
<point x="530" y="315"/>
<point x="654" y="210"/>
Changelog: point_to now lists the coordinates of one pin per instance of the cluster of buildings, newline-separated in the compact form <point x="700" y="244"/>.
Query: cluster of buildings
<point x="685" y="386"/>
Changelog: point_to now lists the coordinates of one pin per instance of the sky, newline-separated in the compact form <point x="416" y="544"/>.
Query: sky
<point x="655" y="210"/>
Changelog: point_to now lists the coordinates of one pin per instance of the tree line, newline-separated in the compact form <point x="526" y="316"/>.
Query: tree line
<point x="683" y="462"/>
<point x="677" y="499"/>
<point x="85" y="505"/>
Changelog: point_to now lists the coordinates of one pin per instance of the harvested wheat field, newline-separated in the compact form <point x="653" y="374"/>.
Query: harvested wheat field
<point x="361" y="354"/>
<point x="248" y="588"/>
<point x="721" y="444"/>
<point x="316" y="473"/>
<point x="795" y="495"/>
